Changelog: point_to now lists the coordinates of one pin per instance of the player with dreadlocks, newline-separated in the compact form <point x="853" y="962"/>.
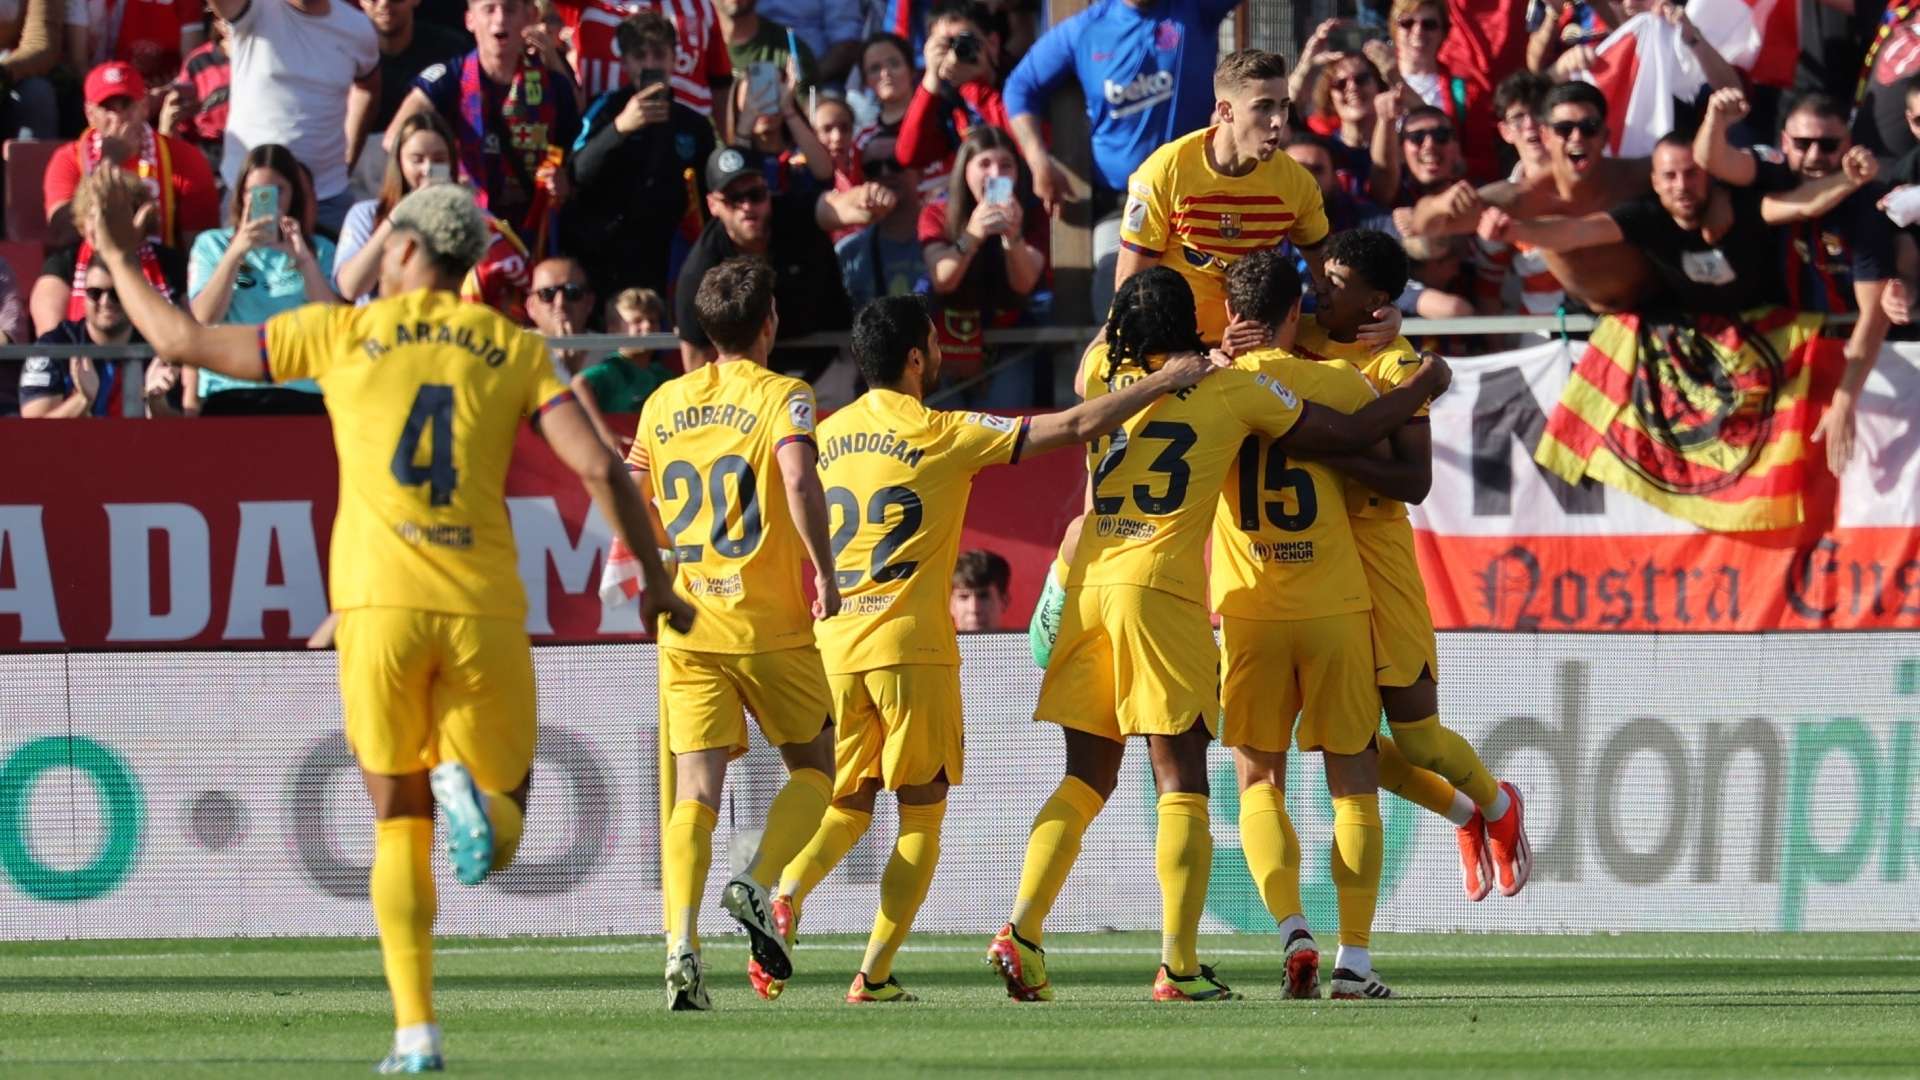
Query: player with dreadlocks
<point x="1135" y="654"/>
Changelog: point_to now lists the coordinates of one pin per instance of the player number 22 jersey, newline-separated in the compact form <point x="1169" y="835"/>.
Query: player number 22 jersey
<point x="897" y="476"/>
<point x="708" y="441"/>
<point x="427" y="395"/>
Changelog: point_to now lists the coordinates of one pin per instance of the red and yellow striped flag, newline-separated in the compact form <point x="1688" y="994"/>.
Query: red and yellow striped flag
<point x="1708" y="421"/>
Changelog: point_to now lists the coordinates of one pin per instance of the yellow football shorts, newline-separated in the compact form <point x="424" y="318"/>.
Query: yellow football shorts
<point x="702" y="695"/>
<point x="1404" y="649"/>
<point x="1131" y="661"/>
<point x="1320" y="670"/>
<point x="899" y="724"/>
<point x="422" y="687"/>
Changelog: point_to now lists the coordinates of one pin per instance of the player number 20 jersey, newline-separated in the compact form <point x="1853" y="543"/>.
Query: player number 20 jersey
<point x="897" y="476"/>
<point x="708" y="441"/>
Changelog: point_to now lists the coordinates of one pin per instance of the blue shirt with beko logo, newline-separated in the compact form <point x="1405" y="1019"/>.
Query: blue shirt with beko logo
<point x="1147" y="74"/>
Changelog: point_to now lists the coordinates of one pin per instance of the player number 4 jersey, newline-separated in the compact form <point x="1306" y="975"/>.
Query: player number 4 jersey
<point x="427" y="395"/>
<point x="1282" y="545"/>
<point x="708" y="441"/>
<point x="897" y="476"/>
<point x="1156" y="478"/>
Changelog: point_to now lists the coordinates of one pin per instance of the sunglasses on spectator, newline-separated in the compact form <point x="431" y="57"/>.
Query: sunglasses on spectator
<point x="1428" y="25"/>
<point x="571" y="291"/>
<point x="1565" y="128"/>
<point x="1827" y="143"/>
<point x="95" y="294"/>
<point x="1440" y="136"/>
<point x="1358" y="82"/>
<point x="747" y="196"/>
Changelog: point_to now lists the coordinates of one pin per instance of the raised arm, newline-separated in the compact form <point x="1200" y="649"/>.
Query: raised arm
<point x="1090" y="420"/>
<point x="1710" y="146"/>
<point x="807" y="502"/>
<point x="1816" y="199"/>
<point x="1401" y="468"/>
<point x="1324" y="432"/>
<point x="233" y="351"/>
<point x="604" y="475"/>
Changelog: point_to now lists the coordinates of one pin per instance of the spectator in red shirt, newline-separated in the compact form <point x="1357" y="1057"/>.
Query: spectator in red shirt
<point x="985" y="257"/>
<point x="174" y="171"/>
<point x="702" y="67"/>
<point x="195" y="108"/>
<point x="151" y="35"/>
<point x="956" y="93"/>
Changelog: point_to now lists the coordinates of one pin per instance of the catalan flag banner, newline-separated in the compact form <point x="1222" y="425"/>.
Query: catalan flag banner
<point x="1707" y="421"/>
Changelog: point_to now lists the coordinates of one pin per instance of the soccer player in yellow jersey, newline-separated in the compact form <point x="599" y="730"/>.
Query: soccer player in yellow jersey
<point x="1136" y="655"/>
<point x="727" y="450"/>
<point x="1363" y="266"/>
<point x="1211" y="197"/>
<point x="427" y="393"/>
<point x="898" y="475"/>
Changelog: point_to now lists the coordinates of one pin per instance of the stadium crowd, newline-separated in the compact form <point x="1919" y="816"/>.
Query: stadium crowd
<point x="623" y="147"/>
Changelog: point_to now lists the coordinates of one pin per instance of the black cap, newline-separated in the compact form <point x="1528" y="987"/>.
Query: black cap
<point x="730" y="163"/>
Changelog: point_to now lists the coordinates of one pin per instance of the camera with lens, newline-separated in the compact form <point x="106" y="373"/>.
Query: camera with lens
<point x="965" y="46"/>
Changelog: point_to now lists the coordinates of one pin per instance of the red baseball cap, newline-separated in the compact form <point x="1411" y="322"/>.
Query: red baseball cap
<point x="114" y="79"/>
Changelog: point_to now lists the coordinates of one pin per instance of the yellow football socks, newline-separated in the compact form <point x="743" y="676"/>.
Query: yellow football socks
<point x="1272" y="849"/>
<point x="1183" y="855"/>
<point x="507" y="819"/>
<point x="403" y="909"/>
<point x="1421" y="787"/>
<point x="1358" y="841"/>
<point x="685" y="854"/>
<point x="791" y="821"/>
<point x="839" y="830"/>
<point x="904" y="885"/>
<point x="1051" y="850"/>
<point x="1430" y="746"/>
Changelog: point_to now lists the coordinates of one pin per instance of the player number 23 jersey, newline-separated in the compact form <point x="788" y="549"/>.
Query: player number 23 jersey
<point x="708" y="441"/>
<point x="1155" y="479"/>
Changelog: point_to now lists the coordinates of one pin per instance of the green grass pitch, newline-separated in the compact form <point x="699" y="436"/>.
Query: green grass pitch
<point x="1476" y="1006"/>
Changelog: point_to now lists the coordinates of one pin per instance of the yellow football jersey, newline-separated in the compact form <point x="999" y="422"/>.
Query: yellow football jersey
<point x="1156" y="479"/>
<point x="427" y="394"/>
<point x="897" y="476"/>
<point x="1385" y="369"/>
<point x="1200" y="221"/>
<point x="1282" y="544"/>
<point x="707" y="441"/>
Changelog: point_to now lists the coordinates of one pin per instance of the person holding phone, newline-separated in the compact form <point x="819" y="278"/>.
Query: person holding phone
<point x="265" y="261"/>
<point x="630" y="163"/>
<point x="985" y="251"/>
<point x="957" y="91"/>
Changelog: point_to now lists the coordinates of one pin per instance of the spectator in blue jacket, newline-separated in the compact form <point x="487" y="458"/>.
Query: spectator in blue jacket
<point x="1146" y="70"/>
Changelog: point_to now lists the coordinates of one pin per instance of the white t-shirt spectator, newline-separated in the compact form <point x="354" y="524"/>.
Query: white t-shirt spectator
<point x="291" y="75"/>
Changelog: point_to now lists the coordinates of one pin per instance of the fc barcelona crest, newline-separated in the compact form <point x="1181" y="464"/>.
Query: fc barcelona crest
<point x="1230" y="226"/>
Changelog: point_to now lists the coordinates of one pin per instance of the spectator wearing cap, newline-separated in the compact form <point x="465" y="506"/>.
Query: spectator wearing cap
<point x="631" y="166"/>
<point x="29" y="51"/>
<point x="514" y="115"/>
<point x="790" y="233"/>
<point x="306" y="75"/>
<point x="176" y="174"/>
